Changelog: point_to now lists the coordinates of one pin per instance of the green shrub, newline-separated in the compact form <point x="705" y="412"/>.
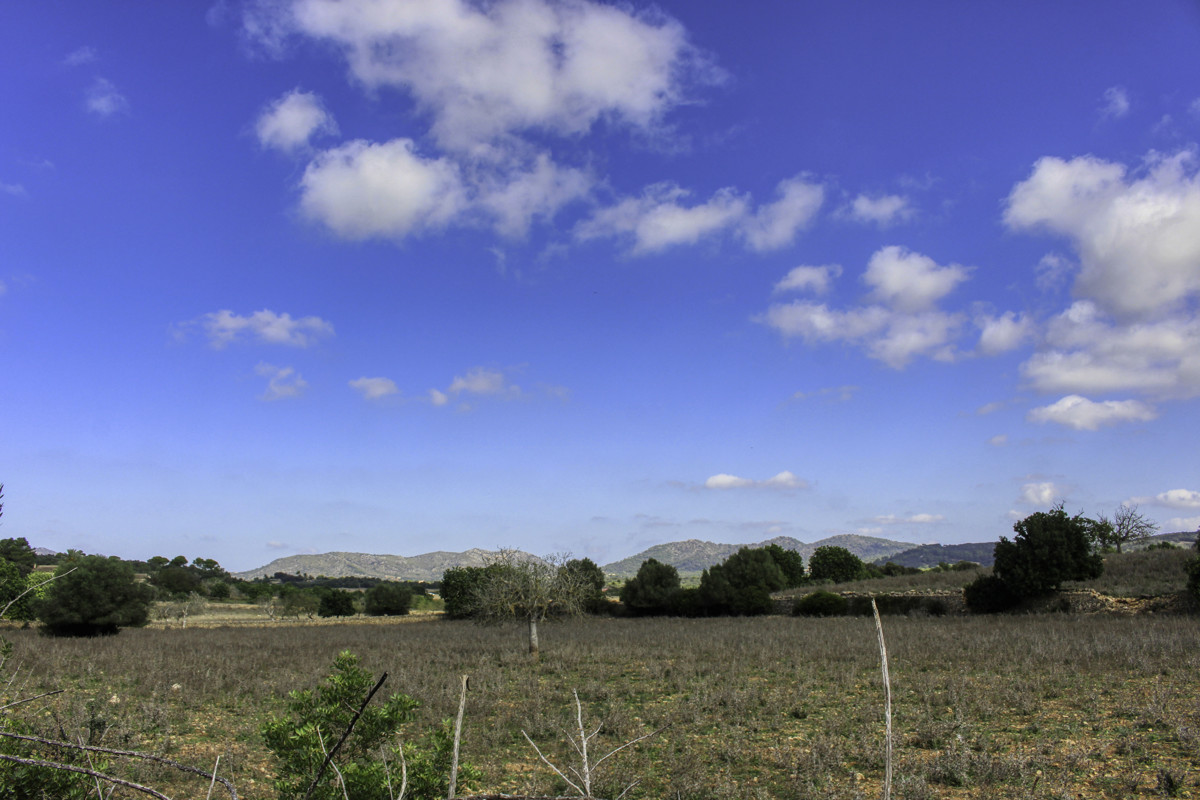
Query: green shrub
<point x="649" y="592"/>
<point x="1193" y="572"/>
<point x="317" y="718"/>
<point x="835" y="564"/>
<point x="897" y="605"/>
<point x="336" y="603"/>
<point x="820" y="604"/>
<point x="95" y="596"/>
<point x="988" y="594"/>
<point x="742" y="584"/>
<point x="388" y="599"/>
<point x="1049" y="548"/>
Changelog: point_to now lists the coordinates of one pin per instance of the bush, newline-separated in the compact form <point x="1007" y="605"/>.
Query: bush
<point x="317" y="718"/>
<point x="95" y="596"/>
<point x="336" y="603"/>
<point x="1193" y="572"/>
<point x="897" y="605"/>
<point x="742" y="584"/>
<point x="988" y="594"/>
<point x="649" y="592"/>
<point x="586" y="574"/>
<point x="1049" y="548"/>
<point x="388" y="599"/>
<point x="820" y="604"/>
<point x="790" y="563"/>
<point x="835" y="564"/>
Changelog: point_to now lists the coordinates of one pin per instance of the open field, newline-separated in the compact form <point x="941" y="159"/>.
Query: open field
<point x="1049" y="706"/>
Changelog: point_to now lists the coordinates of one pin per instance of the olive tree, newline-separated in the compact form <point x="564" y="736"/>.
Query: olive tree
<point x="517" y="586"/>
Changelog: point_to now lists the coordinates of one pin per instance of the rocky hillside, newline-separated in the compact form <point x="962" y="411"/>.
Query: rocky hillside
<point x="426" y="567"/>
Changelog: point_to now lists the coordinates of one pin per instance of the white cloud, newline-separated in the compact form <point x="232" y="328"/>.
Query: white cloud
<point x="775" y="225"/>
<point x="1174" y="498"/>
<point x="80" y="56"/>
<point x="998" y="440"/>
<point x="291" y="121"/>
<point x="903" y="325"/>
<point x="1138" y="236"/>
<point x="375" y="388"/>
<point x="1116" y="102"/>
<point x="815" y="279"/>
<point x="1039" y="494"/>
<point x="478" y="381"/>
<point x="103" y="98"/>
<point x="1085" y="351"/>
<point x="1052" y="271"/>
<point x="515" y="198"/>
<point x="1003" y="333"/>
<point x="282" y="382"/>
<point x="911" y="519"/>
<point x="908" y="281"/>
<point x="266" y="326"/>
<point x="1083" y="414"/>
<point x="482" y="72"/>
<point x="784" y="480"/>
<point x="1183" y="524"/>
<point x="882" y="210"/>
<point x="14" y="189"/>
<point x="361" y="190"/>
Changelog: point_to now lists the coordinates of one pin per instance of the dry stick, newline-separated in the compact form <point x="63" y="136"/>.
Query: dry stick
<point x="31" y="699"/>
<point x="462" y="704"/>
<point x="214" y="779"/>
<point x="124" y="754"/>
<point x="37" y="762"/>
<point x="887" y="685"/>
<point x="345" y="736"/>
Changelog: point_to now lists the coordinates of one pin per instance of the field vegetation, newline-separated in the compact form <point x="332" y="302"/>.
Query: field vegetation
<point x="1045" y="706"/>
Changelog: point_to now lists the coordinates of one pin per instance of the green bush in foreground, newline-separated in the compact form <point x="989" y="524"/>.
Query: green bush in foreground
<point x="94" y="596"/>
<point x="820" y="604"/>
<point x="369" y="761"/>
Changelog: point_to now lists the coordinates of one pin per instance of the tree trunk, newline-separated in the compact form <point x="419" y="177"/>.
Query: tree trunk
<point x="533" y="638"/>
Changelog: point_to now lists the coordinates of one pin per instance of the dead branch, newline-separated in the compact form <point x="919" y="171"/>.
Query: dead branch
<point x="333" y="751"/>
<point x="37" y="762"/>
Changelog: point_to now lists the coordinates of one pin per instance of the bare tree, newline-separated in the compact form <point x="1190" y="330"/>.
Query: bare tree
<point x="530" y="589"/>
<point x="1127" y="526"/>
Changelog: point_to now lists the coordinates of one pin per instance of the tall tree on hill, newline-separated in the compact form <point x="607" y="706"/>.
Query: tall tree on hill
<point x="1128" y="526"/>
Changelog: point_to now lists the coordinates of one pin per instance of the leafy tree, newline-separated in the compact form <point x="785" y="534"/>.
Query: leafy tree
<point x="790" y="563"/>
<point x="460" y="589"/>
<point x="591" y="579"/>
<point x="820" y="604"/>
<point x="18" y="553"/>
<point x="650" y="591"/>
<point x="742" y="584"/>
<point x="208" y="568"/>
<point x="98" y="597"/>
<point x="1193" y="570"/>
<point x="988" y="594"/>
<point x="336" y="603"/>
<point x="219" y="590"/>
<point x="835" y="564"/>
<point x="517" y="587"/>
<point x="1049" y="548"/>
<point x="317" y="718"/>
<point x="388" y="599"/>
<point x="176" y="581"/>
<point x="294" y="602"/>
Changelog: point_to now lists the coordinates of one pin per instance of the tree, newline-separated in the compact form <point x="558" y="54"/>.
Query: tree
<point x="388" y="599"/>
<point x="836" y="564"/>
<point x="1193" y="570"/>
<point x="175" y="581"/>
<point x="651" y="590"/>
<point x="98" y="598"/>
<point x="1128" y="526"/>
<point x="742" y="584"/>
<point x="790" y="563"/>
<point x="589" y="575"/>
<point x="1049" y="548"/>
<point x="529" y="589"/>
<point x="18" y="553"/>
<point x="460" y="589"/>
<point x="336" y="603"/>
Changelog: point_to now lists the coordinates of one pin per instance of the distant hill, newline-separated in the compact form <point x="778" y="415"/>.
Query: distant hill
<point x="693" y="556"/>
<point x="930" y="555"/>
<point x="426" y="567"/>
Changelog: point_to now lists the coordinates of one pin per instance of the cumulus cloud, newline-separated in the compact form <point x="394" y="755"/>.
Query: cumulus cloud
<point x="882" y="210"/>
<point x="1173" y="498"/>
<point x="267" y="327"/>
<point x="1116" y="102"/>
<point x="1039" y="494"/>
<point x="374" y="388"/>
<point x="1083" y="414"/>
<point x="478" y="381"/>
<point x="292" y="120"/>
<point x="282" y="382"/>
<point x="784" y="480"/>
<point x="103" y="99"/>
<point x="1003" y="333"/>
<point x="361" y="189"/>
<point x="661" y="217"/>
<point x="902" y="324"/>
<point x="1183" y="523"/>
<point x="813" y="279"/>
<point x="1138" y="236"/>
<point x="515" y="198"/>
<point x="482" y="72"/>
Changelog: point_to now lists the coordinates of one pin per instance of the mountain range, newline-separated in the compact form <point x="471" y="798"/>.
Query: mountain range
<point x="690" y="557"/>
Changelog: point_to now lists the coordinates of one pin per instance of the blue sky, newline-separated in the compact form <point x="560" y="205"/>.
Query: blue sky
<point x="393" y="277"/>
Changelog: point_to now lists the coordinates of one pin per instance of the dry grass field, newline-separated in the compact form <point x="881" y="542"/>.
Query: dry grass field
<point x="1046" y="706"/>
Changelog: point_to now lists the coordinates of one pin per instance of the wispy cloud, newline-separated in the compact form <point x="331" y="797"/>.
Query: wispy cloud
<point x="374" y="388"/>
<point x="282" y="382"/>
<point x="224" y="327"/>
<point x="783" y="481"/>
<point x="103" y="99"/>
